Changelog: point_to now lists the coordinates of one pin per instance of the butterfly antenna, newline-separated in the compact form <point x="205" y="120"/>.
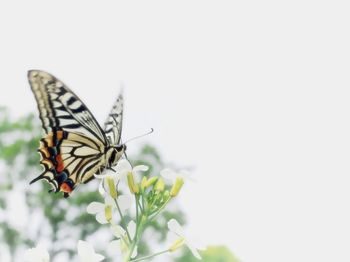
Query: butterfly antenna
<point x="136" y="137"/>
<point x="126" y="156"/>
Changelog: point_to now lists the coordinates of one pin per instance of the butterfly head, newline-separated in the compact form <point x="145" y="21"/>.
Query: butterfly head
<point x="115" y="153"/>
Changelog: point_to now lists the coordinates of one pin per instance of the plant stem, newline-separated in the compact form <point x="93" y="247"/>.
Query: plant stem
<point x="150" y="256"/>
<point x="122" y="220"/>
<point x="137" y="209"/>
<point x="153" y="215"/>
<point x="135" y="241"/>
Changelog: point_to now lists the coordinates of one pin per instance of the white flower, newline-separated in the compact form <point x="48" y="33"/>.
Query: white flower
<point x="86" y="252"/>
<point x="122" y="243"/>
<point x="122" y="169"/>
<point x="104" y="187"/>
<point x="176" y="228"/>
<point x="104" y="211"/>
<point x="171" y="175"/>
<point x="37" y="254"/>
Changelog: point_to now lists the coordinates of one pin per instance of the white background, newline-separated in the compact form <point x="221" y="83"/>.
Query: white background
<point x="253" y="95"/>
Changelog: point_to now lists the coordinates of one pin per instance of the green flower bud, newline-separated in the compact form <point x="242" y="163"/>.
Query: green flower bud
<point x="166" y="194"/>
<point x="151" y="181"/>
<point x="160" y="185"/>
<point x="143" y="183"/>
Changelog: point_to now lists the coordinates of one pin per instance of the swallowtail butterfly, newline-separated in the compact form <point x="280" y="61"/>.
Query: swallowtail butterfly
<point x="74" y="146"/>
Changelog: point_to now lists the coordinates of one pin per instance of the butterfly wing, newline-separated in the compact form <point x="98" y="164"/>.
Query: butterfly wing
<point x="72" y="150"/>
<point x="60" y="108"/>
<point x="113" y="124"/>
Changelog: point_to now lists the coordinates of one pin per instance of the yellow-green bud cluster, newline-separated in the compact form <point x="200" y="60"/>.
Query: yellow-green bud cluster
<point x="154" y="190"/>
<point x="146" y="183"/>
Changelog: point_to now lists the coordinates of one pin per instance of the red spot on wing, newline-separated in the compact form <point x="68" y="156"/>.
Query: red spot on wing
<point x="65" y="188"/>
<point x="60" y="165"/>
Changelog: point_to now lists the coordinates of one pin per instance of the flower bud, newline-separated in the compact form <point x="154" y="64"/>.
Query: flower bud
<point x="112" y="188"/>
<point x="176" y="186"/>
<point x="160" y="185"/>
<point x="166" y="194"/>
<point x="143" y="183"/>
<point x="134" y="188"/>
<point x="177" y="244"/>
<point x="151" y="181"/>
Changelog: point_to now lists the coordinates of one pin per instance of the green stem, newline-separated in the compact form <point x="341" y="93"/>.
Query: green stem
<point x="153" y="215"/>
<point x="137" y="198"/>
<point x="135" y="241"/>
<point x="143" y="204"/>
<point x="150" y="256"/>
<point x="122" y="220"/>
<point x="137" y="209"/>
<point x="140" y="206"/>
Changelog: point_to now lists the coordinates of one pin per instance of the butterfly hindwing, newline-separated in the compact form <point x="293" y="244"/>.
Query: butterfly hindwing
<point x="68" y="159"/>
<point x="113" y="124"/>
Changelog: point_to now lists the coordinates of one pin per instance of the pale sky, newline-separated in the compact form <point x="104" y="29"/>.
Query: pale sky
<point x="253" y="95"/>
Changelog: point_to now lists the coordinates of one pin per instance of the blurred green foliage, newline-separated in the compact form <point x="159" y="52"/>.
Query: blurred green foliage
<point x="19" y="140"/>
<point x="64" y="219"/>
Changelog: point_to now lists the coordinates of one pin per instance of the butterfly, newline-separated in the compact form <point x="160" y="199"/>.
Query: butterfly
<point x="74" y="146"/>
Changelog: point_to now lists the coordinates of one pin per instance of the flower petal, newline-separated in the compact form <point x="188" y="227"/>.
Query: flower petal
<point x="175" y="227"/>
<point x="85" y="249"/>
<point x="95" y="207"/>
<point x="101" y="188"/>
<point x="118" y="231"/>
<point x="97" y="258"/>
<point x="132" y="228"/>
<point x="123" y="166"/>
<point x="134" y="253"/>
<point x="105" y="173"/>
<point x="186" y="175"/>
<point x="114" y="249"/>
<point x="140" y="168"/>
<point x="169" y="174"/>
<point x="114" y="246"/>
<point x="86" y="252"/>
<point x="124" y="202"/>
<point x="194" y="250"/>
<point x="101" y="218"/>
<point x="38" y="253"/>
<point x="109" y="201"/>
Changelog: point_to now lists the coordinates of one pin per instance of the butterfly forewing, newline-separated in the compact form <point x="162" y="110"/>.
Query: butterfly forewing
<point x="60" y="108"/>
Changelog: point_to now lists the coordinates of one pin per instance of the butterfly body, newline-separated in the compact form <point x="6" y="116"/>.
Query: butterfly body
<point x="74" y="147"/>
